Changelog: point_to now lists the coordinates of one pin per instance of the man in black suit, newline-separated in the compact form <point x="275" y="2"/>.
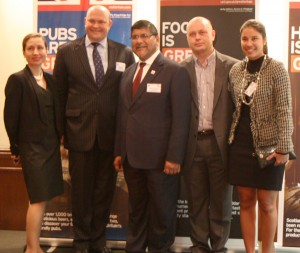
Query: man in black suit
<point x="89" y="102"/>
<point x="205" y="166"/>
<point x="152" y="131"/>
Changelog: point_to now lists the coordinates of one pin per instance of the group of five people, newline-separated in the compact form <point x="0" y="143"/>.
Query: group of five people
<point x="154" y="120"/>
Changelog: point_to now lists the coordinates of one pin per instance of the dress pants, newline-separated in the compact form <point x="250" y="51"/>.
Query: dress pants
<point x="93" y="179"/>
<point x="209" y="198"/>
<point x="152" y="209"/>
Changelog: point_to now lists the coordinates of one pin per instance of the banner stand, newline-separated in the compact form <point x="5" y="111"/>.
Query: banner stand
<point x="68" y="242"/>
<point x="181" y="244"/>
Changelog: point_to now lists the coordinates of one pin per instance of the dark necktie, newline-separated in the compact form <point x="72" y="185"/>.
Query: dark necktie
<point x="99" y="70"/>
<point x="137" y="79"/>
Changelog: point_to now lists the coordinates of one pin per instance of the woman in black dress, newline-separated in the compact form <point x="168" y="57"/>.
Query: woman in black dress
<point x="263" y="117"/>
<point x="33" y="125"/>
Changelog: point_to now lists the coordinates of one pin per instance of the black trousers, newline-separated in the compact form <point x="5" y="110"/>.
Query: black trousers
<point x="152" y="209"/>
<point x="93" y="180"/>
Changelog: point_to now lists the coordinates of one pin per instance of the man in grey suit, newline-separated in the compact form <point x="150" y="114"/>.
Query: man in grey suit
<point x="209" y="194"/>
<point x="89" y="101"/>
<point x="152" y="131"/>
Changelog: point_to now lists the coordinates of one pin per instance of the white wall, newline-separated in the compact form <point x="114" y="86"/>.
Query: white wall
<point x="18" y="20"/>
<point x="147" y="9"/>
<point x="274" y="15"/>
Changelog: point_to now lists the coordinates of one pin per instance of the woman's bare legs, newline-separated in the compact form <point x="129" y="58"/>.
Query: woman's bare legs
<point x="34" y="219"/>
<point x="248" y="197"/>
<point x="267" y="201"/>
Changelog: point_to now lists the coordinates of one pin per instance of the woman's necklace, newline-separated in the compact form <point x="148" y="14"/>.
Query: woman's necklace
<point x="245" y="84"/>
<point x="39" y="77"/>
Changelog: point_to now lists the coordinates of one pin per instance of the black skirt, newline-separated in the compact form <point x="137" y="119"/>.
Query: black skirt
<point x="243" y="165"/>
<point x="41" y="161"/>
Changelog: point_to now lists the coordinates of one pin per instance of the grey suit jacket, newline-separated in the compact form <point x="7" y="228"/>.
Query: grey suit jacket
<point x="222" y="106"/>
<point x="88" y="113"/>
<point x="153" y="126"/>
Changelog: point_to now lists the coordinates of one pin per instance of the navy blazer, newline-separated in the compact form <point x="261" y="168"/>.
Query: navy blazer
<point x="24" y="114"/>
<point x="89" y="113"/>
<point x="153" y="126"/>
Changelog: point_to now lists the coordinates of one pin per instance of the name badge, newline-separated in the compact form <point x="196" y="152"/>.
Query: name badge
<point x="154" y="87"/>
<point x="120" y="66"/>
<point x="251" y="88"/>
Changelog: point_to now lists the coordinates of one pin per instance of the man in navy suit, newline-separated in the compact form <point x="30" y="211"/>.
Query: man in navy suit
<point x="89" y="115"/>
<point x="152" y="132"/>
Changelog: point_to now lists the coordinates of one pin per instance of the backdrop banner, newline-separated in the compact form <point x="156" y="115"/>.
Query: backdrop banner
<point x="62" y="21"/>
<point x="227" y="18"/>
<point x="291" y="220"/>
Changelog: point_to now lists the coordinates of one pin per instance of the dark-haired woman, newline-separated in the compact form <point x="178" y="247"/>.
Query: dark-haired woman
<point x="263" y="118"/>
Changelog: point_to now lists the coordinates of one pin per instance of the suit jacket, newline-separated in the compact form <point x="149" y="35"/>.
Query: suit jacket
<point x="222" y="106"/>
<point x="88" y="112"/>
<point x="271" y="110"/>
<point x="24" y="114"/>
<point x="153" y="126"/>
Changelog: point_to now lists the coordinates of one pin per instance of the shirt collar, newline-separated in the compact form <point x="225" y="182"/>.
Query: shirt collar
<point x="210" y="59"/>
<point x="103" y="42"/>
<point x="151" y="59"/>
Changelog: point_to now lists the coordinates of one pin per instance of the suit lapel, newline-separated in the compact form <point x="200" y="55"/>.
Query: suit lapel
<point x="220" y="76"/>
<point x="129" y="80"/>
<point x="112" y="53"/>
<point x="190" y="66"/>
<point x="34" y="87"/>
<point x="80" y="51"/>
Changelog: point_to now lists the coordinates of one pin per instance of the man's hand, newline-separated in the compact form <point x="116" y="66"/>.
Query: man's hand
<point x="171" y="168"/>
<point x="16" y="159"/>
<point x="117" y="164"/>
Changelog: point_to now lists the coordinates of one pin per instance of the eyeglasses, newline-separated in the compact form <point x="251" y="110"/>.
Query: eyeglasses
<point x="143" y="36"/>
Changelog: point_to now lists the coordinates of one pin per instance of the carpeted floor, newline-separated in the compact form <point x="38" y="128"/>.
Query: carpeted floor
<point x="14" y="242"/>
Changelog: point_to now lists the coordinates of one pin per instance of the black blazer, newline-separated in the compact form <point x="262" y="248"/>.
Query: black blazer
<point x="89" y="113"/>
<point x="24" y="115"/>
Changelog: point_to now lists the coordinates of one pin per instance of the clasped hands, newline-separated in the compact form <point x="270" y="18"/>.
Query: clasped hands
<point x="169" y="169"/>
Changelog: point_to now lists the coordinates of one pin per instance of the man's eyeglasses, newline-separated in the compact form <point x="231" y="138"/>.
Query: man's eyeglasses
<point x="143" y="36"/>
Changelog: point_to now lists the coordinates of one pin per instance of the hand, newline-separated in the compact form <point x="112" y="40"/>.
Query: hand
<point x="117" y="164"/>
<point x="62" y="140"/>
<point x="16" y="159"/>
<point x="171" y="168"/>
<point x="280" y="158"/>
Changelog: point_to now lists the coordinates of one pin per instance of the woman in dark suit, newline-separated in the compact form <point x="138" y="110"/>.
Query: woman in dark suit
<point x="33" y="126"/>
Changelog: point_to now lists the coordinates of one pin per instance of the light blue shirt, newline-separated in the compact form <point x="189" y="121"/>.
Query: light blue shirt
<point x="103" y="51"/>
